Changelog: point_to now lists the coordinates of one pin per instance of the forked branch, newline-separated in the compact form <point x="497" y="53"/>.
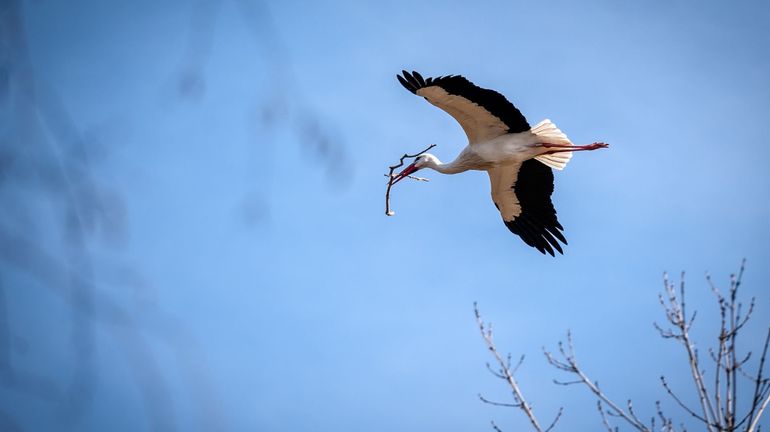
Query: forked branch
<point x="568" y="363"/>
<point x="506" y="373"/>
<point x="676" y="314"/>
<point x="720" y="412"/>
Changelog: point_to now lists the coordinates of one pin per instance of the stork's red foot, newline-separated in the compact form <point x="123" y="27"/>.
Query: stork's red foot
<point x="573" y="148"/>
<point x="594" y="146"/>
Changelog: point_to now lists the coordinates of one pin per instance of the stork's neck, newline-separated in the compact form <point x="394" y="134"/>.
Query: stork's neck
<point x="453" y="167"/>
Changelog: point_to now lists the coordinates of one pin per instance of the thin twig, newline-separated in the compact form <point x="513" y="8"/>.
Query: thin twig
<point x="761" y="410"/>
<point x="676" y="314"/>
<point x="518" y="396"/>
<point x="502" y="404"/>
<point x="722" y="347"/>
<point x="755" y="413"/>
<point x="605" y="421"/>
<point x="730" y="402"/>
<point x="569" y="364"/>
<point x="681" y="404"/>
<point x="494" y="426"/>
<point x="666" y="423"/>
<point x="392" y="168"/>
<point x="555" y="420"/>
<point x="494" y="372"/>
<point x="422" y="179"/>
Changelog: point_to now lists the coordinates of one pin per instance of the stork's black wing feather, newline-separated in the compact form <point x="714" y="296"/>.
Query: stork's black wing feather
<point x="491" y="101"/>
<point x="537" y="223"/>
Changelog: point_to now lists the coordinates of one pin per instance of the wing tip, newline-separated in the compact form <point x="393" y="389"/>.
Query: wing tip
<point x="413" y="81"/>
<point x="539" y="238"/>
<point x="407" y="85"/>
<point x="419" y="78"/>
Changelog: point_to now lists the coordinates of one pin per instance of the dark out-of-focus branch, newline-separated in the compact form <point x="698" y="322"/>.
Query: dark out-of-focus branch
<point x="61" y="180"/>
<point x="46" y="174"/>
<point x="288" y="106"/>
<point x="191" y="81"/>
<point x="284" y="107"/>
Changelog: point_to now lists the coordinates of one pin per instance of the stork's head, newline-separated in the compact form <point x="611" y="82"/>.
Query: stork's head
<point x="425" y="160"/>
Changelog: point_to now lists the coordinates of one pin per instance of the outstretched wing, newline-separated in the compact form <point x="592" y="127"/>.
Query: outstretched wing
<point x="483" y="114"/>
<point x="522" y="193"/>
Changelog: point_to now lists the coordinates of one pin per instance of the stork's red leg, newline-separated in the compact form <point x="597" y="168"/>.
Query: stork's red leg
<point x="569" y="148"/>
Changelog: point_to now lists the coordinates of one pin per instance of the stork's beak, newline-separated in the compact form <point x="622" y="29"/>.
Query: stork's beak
<point x="407" y="171"/>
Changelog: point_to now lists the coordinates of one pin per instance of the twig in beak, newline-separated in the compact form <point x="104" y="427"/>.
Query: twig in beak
<point x="390" y="176"/>
<point x="412" y="177"/>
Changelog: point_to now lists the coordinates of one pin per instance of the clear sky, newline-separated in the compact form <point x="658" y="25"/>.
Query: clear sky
<point x="193" y="234"/>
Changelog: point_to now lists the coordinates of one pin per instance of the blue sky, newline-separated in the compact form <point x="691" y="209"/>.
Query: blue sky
<point x="244" y="276"/>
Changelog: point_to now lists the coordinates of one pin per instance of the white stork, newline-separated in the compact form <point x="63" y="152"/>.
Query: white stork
<point x="501" y="142"/>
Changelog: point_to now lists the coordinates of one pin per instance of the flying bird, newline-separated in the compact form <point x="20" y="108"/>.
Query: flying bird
<point x="518" y="158"/>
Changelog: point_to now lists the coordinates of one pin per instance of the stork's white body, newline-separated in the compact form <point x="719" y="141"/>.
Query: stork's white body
<point x="507" y="149"/>
<point x="516" y="147"/>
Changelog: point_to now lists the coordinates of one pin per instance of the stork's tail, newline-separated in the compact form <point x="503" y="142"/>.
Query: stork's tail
<point x="547" y="132"/>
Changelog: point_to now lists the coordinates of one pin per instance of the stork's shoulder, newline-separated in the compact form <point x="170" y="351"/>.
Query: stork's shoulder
<point x="471" y="159"/>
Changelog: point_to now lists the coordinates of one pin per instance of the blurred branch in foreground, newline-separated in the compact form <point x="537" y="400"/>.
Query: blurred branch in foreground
<point x="278" y="100"/>
<point x="54" y="207"/>
<point x="718" y="407"/>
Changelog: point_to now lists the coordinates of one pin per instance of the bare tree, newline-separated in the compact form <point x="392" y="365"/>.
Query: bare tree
<point x="718" y="409"/>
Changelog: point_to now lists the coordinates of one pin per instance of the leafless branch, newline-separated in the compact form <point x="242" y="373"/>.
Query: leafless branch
<point x="495" y="373"/>
<point x="603" y="415"/>
<point x="679" y="401"/>
<point x="718" y="405"/>
<point x="675" y="310"/>
<point x="722" y="414"/>
<point x="555" y="420"/>
<point x="758" y="405"/>
<point x="569" y="364"/>
<point x="392" y="168"/>
<point x="665" y="422"/>
<point x="507" y="373"/>
<point x="567" y="383"/>
<point x="502" y="404"/>
<point x="755" y="424"/>
<point x="515" y="368"/>
<point x="495" y="427"/>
